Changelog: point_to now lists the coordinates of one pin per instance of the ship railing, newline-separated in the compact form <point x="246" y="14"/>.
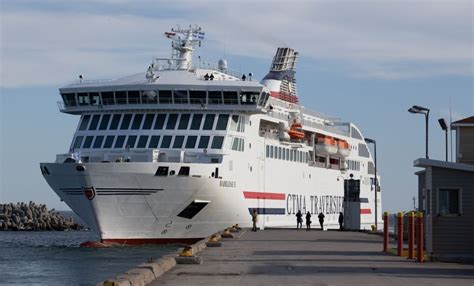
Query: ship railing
<point x="209" y="66"/>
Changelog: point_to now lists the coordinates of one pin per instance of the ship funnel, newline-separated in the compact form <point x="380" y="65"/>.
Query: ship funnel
<point x="281" y="78"/>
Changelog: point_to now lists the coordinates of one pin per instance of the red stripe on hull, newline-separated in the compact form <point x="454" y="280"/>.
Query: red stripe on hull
<point x="139" y="241"/>
<point x="267" y="196"/>
<point x="365" y="211"/>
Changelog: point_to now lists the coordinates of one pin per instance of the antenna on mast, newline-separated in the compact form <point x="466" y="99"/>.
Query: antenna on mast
<point x="183" y="42"/>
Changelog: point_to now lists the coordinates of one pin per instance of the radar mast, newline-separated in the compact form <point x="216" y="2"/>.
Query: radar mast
<point x="183" y="42"/>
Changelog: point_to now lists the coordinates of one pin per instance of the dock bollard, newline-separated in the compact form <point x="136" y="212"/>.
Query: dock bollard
<point x="187" y="257"/>
<point x="214" y="241"/>
<point x="385" y="231"/>
<point x="411" y="235"/>
<point x="419" y="245"/>
<point x="227" y="234"/>
<point x="400" y="234"/>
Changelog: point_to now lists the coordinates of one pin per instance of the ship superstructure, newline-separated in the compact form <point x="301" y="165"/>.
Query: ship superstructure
<point x="180" y="151"/>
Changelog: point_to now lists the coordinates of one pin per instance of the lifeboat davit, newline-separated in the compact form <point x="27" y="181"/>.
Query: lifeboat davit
<point x="326" y="145"/>
<point x="343" y="148"/>
<point x="296" y="131"/>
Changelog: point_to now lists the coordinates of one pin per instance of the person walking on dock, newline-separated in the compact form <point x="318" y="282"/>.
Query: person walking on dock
<point x="341" y="220"/>
<point x="308" y="221"/>
<point x="254" y="220"/>
<point x="321" y="220"/>
<point x="299" y="220"/>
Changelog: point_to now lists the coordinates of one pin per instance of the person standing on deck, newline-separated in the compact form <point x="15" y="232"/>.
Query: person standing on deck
<point x="299" y="220"/>
<point x="321" y="220"/>
<point x="254" y="220"/>
<point x="308" y="221"/>
<point x="341" y="220"/>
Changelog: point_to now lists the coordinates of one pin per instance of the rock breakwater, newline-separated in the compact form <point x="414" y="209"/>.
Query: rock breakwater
<point x="32" y="216"/>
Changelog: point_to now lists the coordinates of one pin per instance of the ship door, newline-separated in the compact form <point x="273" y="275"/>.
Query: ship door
<point x="352" y="204"/>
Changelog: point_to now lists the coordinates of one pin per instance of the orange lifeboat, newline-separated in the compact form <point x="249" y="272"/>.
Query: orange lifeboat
<point x="343" y="148"/>
<point x="326" y="145"/>
<point x="296" y="131"/>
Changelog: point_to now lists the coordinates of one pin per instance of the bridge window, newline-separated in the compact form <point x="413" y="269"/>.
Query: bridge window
<point x="133" y="96"/>
<point x="203" y="142"/>
<point x="107" y="97"/>
<point x="230" y="97"/>
<point x="137" y="121"/>
<point x="196" y="123"/>
<point x="184" y="121"/>
<point x="78" y="142"/>
<point x="165" y="96"/>
<point x="126" y="122"/>
<point x="84" y="122"/>
<point x="142" y="141"/>
<point x="222" y="122"/>
<point x="160" y="121"/>
<point x="181" y="96"/>
<point x="88" y="142"/>
<point x="148" y="96"/>
<point x="249" y="97"/>
<point x="94" y="122"/>
<point x="215" y="97"/>
<point x="197" y="96"/>
<point x="209" y="122"/>
<point x="119" y="142"/>
<point x="83" y="98"/>
<point x="69" y="99"/>
<point x="171" y="123"/>
<point x="178" y="142"/>
<point x="115" y="121"/>
<point x="166" y="142"/>
<point x="98" y="141"/>
<point x="108" y="142"/>
<point x="217" y="142"/>
<point x="94" y="98"/>
<point x="154" y="142"/>
<point x="191" y="142"/>
<point x="104" y="122"/>
<point x="131" y="141"/>
<point x="121" y="97"/>
<point x="148" y="121"/>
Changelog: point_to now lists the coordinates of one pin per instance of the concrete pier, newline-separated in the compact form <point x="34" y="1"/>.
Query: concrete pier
<point x="290" y="257"/>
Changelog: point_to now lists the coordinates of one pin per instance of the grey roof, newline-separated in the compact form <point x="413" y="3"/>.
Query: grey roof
<point x="422" y="162"/>
<point x="166" y="79"/>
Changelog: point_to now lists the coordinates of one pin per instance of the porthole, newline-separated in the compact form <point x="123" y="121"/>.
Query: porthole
<point x="80" y="168"/>
<point x="172" y="172"/>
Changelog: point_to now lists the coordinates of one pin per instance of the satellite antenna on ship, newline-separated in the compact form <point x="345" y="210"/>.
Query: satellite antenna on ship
<point x="183" y="42"/>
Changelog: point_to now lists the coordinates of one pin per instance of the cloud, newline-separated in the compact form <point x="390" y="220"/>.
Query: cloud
<point x="53" y="43"/>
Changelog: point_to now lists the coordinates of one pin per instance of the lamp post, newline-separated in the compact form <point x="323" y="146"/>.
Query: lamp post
<point x="368" y="140"/>
<point x="426" y="112"/>
<point x="444" y="126"/>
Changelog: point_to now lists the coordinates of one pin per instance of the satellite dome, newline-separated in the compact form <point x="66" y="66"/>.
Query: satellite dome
<point x="222" y="65"/>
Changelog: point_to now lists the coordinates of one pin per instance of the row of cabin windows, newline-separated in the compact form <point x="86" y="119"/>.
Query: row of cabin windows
<point x="353" y="165"/>
<point x="142" y="141"/>
<point x="282" y="153"/>
<point x="163" y="96"/>
<point x="158" y="121"/>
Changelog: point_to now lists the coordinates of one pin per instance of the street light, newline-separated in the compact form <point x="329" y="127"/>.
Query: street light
<point x="444" y="126"/>
<point x="426" y="112"/>
<point x="372" y="141"/>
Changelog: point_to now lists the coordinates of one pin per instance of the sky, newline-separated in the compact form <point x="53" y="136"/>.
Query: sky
<point x="362" y="61"/>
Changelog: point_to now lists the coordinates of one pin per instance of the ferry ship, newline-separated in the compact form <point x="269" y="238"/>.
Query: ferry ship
<point x="182" y="150"/>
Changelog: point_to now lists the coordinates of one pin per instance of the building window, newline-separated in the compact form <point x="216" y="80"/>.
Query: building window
<point x="222" y="122"/>
<point x="178" y="142"/>
<point x="184" y="121"/>
<point x="148" y="121"/>
<point x="160" y="121"/>
<point x="166" y="142"/>
<point x="108" y="142"/>
<point x="120" y="141"/>
<point x="449" y="201"/>
<point x="115" y="121"/>
<point x="154" y="141"/>
<point x="137" y="121"/>
<point x="209" y="122"/>
<point x="88" y="142"/>
<point x="131" y="141"/>
<point x="104" y="122"/>
<point x="126" y="122"/>
<point x="142" y="141"/>
<point x="196" y="123"/>
<point x="171" y="123"/>
<point x="84" y="122"/>
<point x="203" y="142"/>
<point x="217" y="142"/>
<point x="98" y="142"/>
<point x="191" y="142"/>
